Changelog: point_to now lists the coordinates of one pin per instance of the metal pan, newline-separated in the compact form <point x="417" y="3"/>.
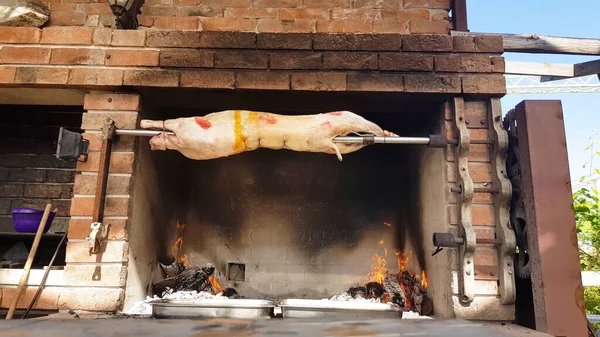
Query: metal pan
<point x="301" y="308"/>
<point x="213" y="308"/>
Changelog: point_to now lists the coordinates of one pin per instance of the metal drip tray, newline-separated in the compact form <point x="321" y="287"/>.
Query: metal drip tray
<point x="301" y="308"/>
<point x="213" y="308"/>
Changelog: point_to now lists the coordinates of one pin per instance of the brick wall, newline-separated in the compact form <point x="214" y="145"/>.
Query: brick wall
<point x="350" y="16"/>
<point x="30" y="174"/>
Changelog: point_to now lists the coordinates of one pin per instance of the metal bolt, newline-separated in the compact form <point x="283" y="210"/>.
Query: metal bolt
<point x="492" y="273"/>
<point x="460" y="118"/>
<point x="108" y="56"/>
<point x="482" y="122"/>
<point x="468" y="272"/>
<point x="497" y="118"/>
<point x="109" y="99"/>
<point x="468" y="261"/>
<point x="467" y="122"/>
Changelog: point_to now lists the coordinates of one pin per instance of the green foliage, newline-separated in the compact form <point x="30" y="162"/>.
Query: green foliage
<point x="587" y="216"/>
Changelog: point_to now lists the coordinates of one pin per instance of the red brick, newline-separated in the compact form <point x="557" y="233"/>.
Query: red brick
<point x="375" y="82"/>
<point x="128" y="38"/>
<point x="484" y="84"/>
<point x="276" y="3"/>
<point x="479" y="134"/>
<point x="432" y="83"/>
<point x="483" y="198"/>
<point x="145" y="20"/>
<point x="319" y="81"/>
<point x="67" y="35"/>
<point x="7" y="74"/>
<point x="25" y="35"/>
<point x="377" y="4"/>
<point x="186" y="3"/>
<point x="355" y="14"/>
<point x="406" y="62"/>
<point x="47" y="300"/>
<point x="295" y="60"/>
<point x="95" y="276"/>
<point x="366" y="42"/>
<point x="345" y="26"/>
<point x="390" y="26"/>
<point x="161" y="3"/>
<point x="159" y="11"/>
<point x="67" y="19"/>
<point x="464" y="44"/>
<point x="479" y="153"/>
<point x="440" y="4"/>
<point x="60" y="191"/>
<point x="186" y="58"/>
<point x="80" y="228"/>
<point x="152" y="78"/>
<point x="349" y="60"/>
<point x="252" y="13"/>
<point x="483" y="215"/>
<point x="243" y="59"/>
<point x="77" y="56"/>
<point x="285" y="26"/>
<point x="96" y="76"/>
<point x="227" y="3"/>
<point x="177" y="23"/>
<point x="24" y="55"/>
<point x="60" y="176"/>
<point x="262" y="80"/>
<point x="204" y="11"/>
<point x="406" y="14"/>
<point x="489" y="44"/>
<point x="112" y="101"/>
<point x="225" y="24"/>
<point x="427" y="43"/>
<point x="304" y="14"/>
<point x="429" y="27"/>
<point x="98" y="8"/>
<point x="91" y="299"/>
<point x="176" y="39"/>
<point x="11" y="190"/>
<point x="327" y="3"/>
<point x="86" y="184"/>
<point x="439" y="15"/>
<point x="95" y="121"/>
<point x="114" y="251"/>
<point x="42" y="75"/>
<point x="207" y="79"/>
<point x="284" y="41"/>
<point x="498" y="64"/>
<point x="102" y="36"/>
<point x="463" y="63"/>
<point x="148" y="58"/>
<point x="228" y="40"/>
<point x="480" y="173"/>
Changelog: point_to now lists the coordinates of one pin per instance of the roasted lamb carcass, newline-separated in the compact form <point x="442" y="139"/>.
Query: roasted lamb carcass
<point x="225" y="133"/>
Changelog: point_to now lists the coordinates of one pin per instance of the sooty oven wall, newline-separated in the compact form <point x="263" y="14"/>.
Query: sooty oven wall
<point x="304" y="225"/>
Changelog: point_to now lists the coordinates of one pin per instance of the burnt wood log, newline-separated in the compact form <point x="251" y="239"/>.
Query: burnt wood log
<point x="358" y="292"/>
<point x="374" y="290"/>
<point x="391" y="284"/>
<point x="188" y="280"/>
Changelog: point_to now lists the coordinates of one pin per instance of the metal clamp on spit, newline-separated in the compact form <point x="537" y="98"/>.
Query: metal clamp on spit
<point x="449" y="240"/>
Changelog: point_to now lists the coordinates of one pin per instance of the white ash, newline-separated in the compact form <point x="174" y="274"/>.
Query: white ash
<point x="348" y="298"/>
<point x="145" y="308"/>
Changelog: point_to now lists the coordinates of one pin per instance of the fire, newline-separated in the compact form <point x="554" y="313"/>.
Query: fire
<point x="215" y="284"/>
<point x="423" y="280"/>
<point x="379" y="268"/>
<point x="176" y="248"/>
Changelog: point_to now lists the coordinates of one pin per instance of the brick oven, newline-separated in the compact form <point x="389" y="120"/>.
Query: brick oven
<point x="300" y="224"/>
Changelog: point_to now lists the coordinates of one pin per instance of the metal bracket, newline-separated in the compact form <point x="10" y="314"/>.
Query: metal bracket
<point x="97" y="236"/>
<point x="466" y="276"/>
<point x="506" y="250"/>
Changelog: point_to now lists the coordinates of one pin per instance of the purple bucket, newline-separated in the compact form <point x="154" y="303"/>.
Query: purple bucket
<point x="27" y="220"/>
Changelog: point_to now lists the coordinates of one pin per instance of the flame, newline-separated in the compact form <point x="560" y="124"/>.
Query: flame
<point x="381" y="241"/>
<point x="423" y="280"/>
<point x="402" y="261"/>
<point x="378" y="270"/>
<point x="215" y="284"/>
<point x="387" y="224"/>
<point x="176" y="248"/>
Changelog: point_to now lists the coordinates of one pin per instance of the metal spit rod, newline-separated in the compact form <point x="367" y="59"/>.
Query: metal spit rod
<point x="344" y="140"/>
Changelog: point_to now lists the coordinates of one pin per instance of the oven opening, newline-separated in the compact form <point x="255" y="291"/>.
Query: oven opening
<point x="279" y="225"/>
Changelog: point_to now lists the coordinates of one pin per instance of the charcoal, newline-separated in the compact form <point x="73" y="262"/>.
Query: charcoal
<point x="358" y="292"/>
<point x="231" y="293"/>
<point x="188" y="280"/>
<point x="393" y="288"/>
<point x="374" y="290"/>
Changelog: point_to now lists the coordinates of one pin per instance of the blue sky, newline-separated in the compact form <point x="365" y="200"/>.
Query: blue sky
<point x="575" y="18"/>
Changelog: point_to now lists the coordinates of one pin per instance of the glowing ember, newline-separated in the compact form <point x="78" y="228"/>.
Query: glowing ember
<point x="215" y="284"/>
<point x="177" y="247"/>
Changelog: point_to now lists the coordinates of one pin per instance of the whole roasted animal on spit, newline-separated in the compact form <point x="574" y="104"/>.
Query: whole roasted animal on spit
<point x="225" y="133"/>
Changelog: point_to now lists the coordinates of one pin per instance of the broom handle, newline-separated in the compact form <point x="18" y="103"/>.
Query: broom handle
<point x="27" y="269"/>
